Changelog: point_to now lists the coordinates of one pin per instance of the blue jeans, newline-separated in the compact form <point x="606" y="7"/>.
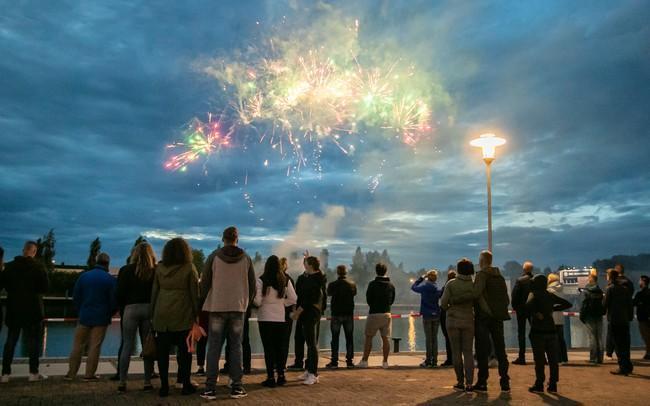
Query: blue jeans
<point x="431" y="339"/>
<point x="136" y="319"/>
<point x="595" y="333"/>
<point x="348" y="328"/>
<point x="222" y="325"/>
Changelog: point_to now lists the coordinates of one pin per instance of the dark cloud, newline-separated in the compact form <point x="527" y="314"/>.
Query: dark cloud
<point x="92" y="92"/>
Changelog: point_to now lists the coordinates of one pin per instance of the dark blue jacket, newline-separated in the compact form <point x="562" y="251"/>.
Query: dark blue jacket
<point x="94" y="296"/>
<point x="429" y="298"/>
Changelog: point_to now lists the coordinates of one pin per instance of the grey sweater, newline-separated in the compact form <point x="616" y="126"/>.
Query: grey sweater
<point x="228" y="281"/>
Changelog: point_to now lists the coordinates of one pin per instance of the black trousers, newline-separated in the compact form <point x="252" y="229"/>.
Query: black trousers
<point x="201" y="346"/>
<point x="485" y="330"/>
<point x="288" y="325"/>
<point x="165" y="341"/>
<point x="563" y="355"/>
<point x="522" y="318"/>
<point x="545" y="348"/>
<point x="310" y="329"/>
<point x="609" y="341"/>
<point x="348" y="330"/>
<point x="33" y="335"/>
<point x="273" y="334"/>
<point x="621" y="338"/>
<point x="299" y="344"/>
<point x="443" y="327"/>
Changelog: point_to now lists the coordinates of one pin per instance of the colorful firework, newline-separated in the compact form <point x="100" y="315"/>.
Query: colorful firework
<point x="199" y="140"/>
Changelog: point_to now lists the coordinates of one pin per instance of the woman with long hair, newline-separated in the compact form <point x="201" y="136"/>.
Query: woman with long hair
<point x="134" y="283"/>
<point x="274" y="293"/>
<point x="174" y="302"/>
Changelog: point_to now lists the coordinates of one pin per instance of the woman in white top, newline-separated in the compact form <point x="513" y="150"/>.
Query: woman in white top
<point x="274" y="292"/>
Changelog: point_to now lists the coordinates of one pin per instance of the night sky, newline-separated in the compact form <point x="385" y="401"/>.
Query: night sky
<point x="91" y="93"/>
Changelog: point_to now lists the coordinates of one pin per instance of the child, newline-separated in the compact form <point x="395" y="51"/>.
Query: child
<point x="543" y="337"/>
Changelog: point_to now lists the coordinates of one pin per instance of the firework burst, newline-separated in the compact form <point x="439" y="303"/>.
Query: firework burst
<point x="199" y="140"/>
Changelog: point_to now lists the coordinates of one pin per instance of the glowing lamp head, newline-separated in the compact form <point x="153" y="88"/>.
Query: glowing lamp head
<point x="488" y="144"/>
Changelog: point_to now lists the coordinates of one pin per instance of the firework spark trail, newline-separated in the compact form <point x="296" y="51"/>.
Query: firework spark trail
<point x="303" y="90"/>
<point x="199" y="139"/>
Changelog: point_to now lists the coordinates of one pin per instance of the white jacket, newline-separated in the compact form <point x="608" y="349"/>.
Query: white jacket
<point x="271" y="307"/>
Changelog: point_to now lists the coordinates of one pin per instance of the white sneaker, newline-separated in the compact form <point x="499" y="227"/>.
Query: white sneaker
<point x="304" y="375"/>
<point x="4" y="378"/>
<point x="37" y="377"/>
<point x="384" y="364"/>
<point x="310" y="380"/>
<point x="362" y="364"/>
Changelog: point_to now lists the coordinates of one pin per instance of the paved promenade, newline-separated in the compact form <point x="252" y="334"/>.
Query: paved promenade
<point x="402" y="384"/>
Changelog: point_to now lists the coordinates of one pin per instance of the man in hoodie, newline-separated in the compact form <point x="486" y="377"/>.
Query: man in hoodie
<point x="540" y="305"/>
<point x="380" y="296"/>
<point x="430" y="312"/>
<point x="94" y="297"/>
<point x="491" y="295"/>
<point x="342" y="291"/>
<point x="519" y="297"/>
<point x="620" y="312"/>
<point x="25" y="281"/>
<point x="227" y="288"/>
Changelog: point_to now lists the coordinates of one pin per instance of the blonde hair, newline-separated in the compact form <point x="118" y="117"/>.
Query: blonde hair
<point x="553" y="277"/>
<point x="284" y="265"/>
<point x="432" y="275"/>
<point x="144" y="259"/>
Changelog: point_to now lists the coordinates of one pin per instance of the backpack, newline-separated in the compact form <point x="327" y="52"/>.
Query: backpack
<point x="496" y="295"/>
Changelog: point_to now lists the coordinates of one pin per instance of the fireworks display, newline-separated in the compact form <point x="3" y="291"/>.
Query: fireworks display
<point x="298" y="91"/>
<point x="199" y="140"/>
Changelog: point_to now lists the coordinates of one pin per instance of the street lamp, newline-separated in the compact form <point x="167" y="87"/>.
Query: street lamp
<point x="488" y="144"/>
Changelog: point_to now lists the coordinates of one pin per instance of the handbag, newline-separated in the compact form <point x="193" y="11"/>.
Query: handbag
<point x="149" y="347"/>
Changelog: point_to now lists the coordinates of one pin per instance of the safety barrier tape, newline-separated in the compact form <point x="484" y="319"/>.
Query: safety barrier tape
<point x="392" y="316"/>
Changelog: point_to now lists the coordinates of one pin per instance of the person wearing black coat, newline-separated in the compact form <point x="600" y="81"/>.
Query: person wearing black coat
<point x="25" y="280"/>
<point x="620" y="312"/>
<point x="380" y="296"/>
<point x="642" y="304"/>
<point x="519" y="297"/>
<point x="342" y="291"/>
<point x="543" y="336"/>
<point x="310" y="306"/>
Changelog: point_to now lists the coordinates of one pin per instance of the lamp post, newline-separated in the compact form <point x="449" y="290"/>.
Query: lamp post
<point x="488" y="144"/>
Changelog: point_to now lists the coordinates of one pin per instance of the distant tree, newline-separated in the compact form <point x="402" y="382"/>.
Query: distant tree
<point x="512" y="269"/>
<point x="95" y="248"/>
<point x="198" y="259"/>
<point x="547" y="270"/>
<point x="639" y="262"/>
<point x="45" y="249"/>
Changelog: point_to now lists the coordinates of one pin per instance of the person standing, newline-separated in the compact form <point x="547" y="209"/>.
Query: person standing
<point x="540" y="305"/>
<point x="451" y="274"/>
<point x="94" y="297"/>
<point x="555" y="287"/>
<point x="342" y="291"/>
<point x="620" y="312"/>
<point x="642" y="303"/>
<point x="519" y="297"/>
<point x="2" y="267"/>
<point x="310" y="307"/>
<point x="174" y="310"/>
<point x="430" y="312"/>
<point x="380" y="296"/>
<point x="227" y="289"/>
<point x="627" y="283"/>
<point x="134" y="285"/>
<point x="288" y="309"/>
<point x="273" y="293"/>
<point x="458" y="303"/>
<point x="491" y="294"/>
<point x="25" y="280"/>
<point x="591" y="314"/>
<point x="298" y="338"/>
